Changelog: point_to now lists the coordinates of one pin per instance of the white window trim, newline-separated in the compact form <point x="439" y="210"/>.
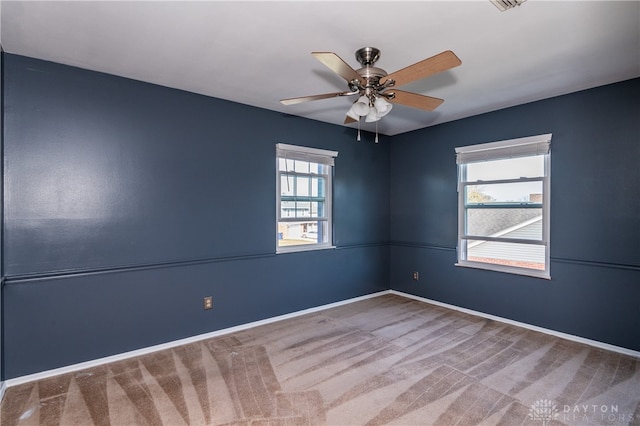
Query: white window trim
<point x="512" y="148"/>
<point x="305" y="153"/>
<point x="315" y="155"/>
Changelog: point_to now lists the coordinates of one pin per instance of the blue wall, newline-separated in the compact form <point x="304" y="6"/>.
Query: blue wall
<point x="595" y="215"/>
<point x="127" y="203"/>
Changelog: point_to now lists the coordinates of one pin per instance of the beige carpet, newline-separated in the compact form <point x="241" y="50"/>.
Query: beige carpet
<point x="385" y="360"/>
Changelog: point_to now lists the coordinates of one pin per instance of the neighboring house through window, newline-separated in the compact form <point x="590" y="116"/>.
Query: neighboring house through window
<point x="304" y="198"/>
<point x="503" y="205"/>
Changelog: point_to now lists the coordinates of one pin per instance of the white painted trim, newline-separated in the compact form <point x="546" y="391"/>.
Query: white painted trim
<point x="495" y="267"/>
<point x="507" y="143"/>
<point x="150" y="349"/>
<point x="3" y="388"/>
<point x="306" y="149"/>
<point x="304" y="247"/>
<point x="555" y="333"/>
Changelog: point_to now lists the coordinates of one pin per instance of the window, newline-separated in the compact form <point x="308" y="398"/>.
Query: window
<point x="503" y="205"/>
<point x="304" y="198"/>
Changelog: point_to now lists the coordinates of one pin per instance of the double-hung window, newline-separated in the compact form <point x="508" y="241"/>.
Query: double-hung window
<point x="503" y="205"/>
<point x="304" y="196"/>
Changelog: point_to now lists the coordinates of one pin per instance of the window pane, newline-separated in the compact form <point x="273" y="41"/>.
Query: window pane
<point x="317" y="209"/>
<point x="286" y="185"/>
<point x="300" y="233"/>
<point x="510" y="254"/>
<point x="318" y="187"/>
<point x="288" y="209"/>
<point x="302" y="186"/>
<point x="304" y="216"/>
<point x="301" y="166"/>
<point x="511" y="168"/>
<point x="506" y="223"/>
<point x="285" y="165"/>
<point x="295" y="209"/>
<point x="522" y="192"/>
<point x="504" y="199"/>
<point x="303" y="209"/>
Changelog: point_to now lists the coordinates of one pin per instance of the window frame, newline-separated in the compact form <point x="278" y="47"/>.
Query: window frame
<point x="504" y="150"/>
<point x="312" y="155"/>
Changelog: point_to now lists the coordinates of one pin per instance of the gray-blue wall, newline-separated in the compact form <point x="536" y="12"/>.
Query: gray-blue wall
<point x="126" y="203"/>
<point x="595" y="215"/>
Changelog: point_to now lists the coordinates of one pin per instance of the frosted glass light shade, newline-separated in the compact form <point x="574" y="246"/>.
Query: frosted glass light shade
<point x="351" y="113"/>
<point x="382" y="106"/>
<point x="372" y="116"/>
<point x="361" y="107"/>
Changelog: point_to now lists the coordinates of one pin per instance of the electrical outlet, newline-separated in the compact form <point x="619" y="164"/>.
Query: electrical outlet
<point x="208" y="302"/>
<point x="416" y="276"/>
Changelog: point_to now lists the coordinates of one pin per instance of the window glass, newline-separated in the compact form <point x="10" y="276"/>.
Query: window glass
<point x="507" y="254"/>
<point x="499" y="193"/>
<point x="503" y="205"/>
<point x="304" y="198"/>
<point x="505" y="222"/>
<point x="507" y="168"/>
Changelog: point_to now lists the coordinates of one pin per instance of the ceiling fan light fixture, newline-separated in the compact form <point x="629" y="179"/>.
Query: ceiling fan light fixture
<point x="361" y="106"/>
<point x="507" y="4"/>
<point x="382" y="106"/>
<point x="372" y="116"/>
<point x="372" y="109"/>
<point x="351" y="113"/>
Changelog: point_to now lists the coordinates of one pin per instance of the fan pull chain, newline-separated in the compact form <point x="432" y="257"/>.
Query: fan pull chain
<point x="376" y="132"/>
<point x="358" y="138"/>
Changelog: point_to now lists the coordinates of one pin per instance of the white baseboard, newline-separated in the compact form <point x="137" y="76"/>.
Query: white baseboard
<point x="559" y="334"/>
<point x="150" y="349"/>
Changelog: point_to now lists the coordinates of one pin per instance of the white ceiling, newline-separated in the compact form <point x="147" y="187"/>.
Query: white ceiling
<point x="257" y="53"/>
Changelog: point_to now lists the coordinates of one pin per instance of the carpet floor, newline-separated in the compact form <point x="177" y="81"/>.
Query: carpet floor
<point x="387" y="360"/>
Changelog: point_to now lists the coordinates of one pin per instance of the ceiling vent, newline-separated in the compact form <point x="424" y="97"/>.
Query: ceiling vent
<point x="507" y="4"/>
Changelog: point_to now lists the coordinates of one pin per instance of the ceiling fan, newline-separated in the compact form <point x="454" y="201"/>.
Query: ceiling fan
<point x="377" y="89"/>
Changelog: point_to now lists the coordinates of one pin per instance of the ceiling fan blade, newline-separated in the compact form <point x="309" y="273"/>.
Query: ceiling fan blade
<point x="414" y="100"/>
<point x="337" y="65"/>
<point x="430" y="66"/>
<point x="349" y="120"/>
<point x="293" y="101"/>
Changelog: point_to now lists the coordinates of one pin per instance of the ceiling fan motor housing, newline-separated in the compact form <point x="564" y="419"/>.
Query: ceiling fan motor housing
<point x="371" y="75"/>
<point x="370" y="83"/>
<point x="367" y="56"/>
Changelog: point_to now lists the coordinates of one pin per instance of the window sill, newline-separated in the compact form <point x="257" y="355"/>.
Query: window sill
<point x="506" y="269"/>
<point x="296" y="249"/>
